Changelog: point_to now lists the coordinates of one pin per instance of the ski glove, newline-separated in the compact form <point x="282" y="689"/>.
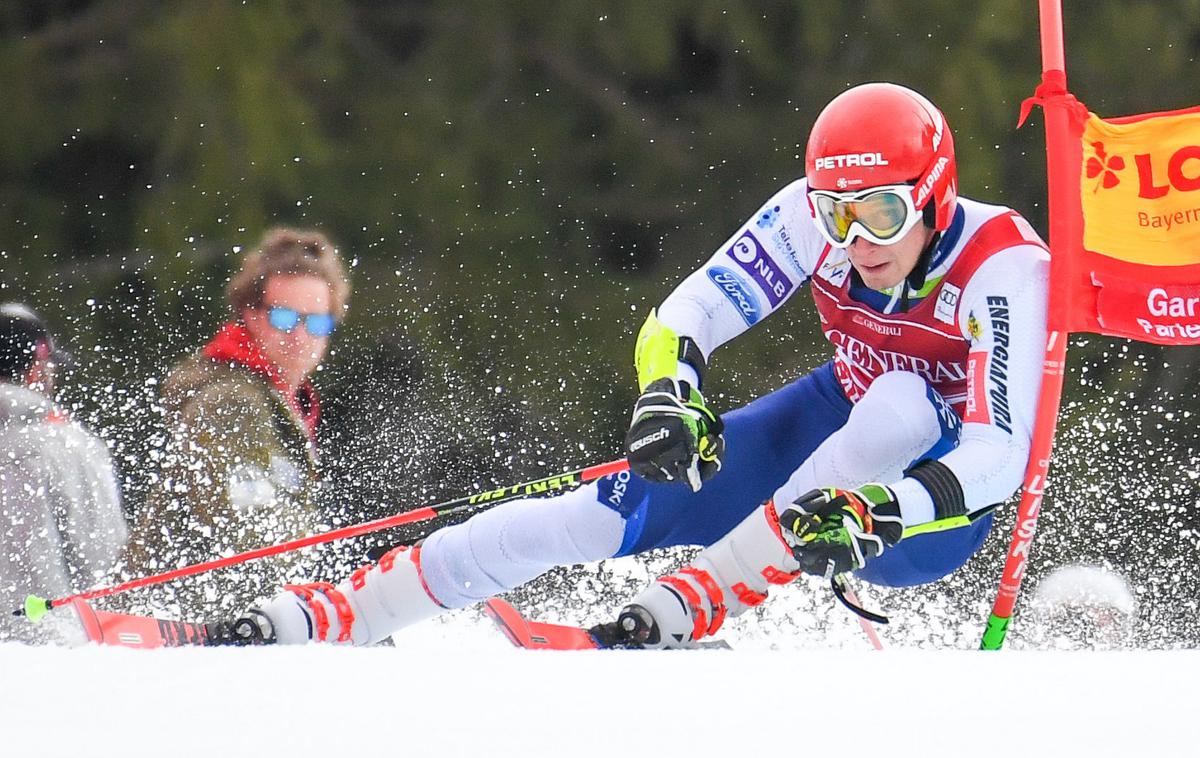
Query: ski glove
<point x="832" y="531"/>
<point x="674" y="436"/>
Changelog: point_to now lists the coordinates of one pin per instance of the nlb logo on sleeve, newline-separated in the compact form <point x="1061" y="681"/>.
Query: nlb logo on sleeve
<point x="750" y="255"/>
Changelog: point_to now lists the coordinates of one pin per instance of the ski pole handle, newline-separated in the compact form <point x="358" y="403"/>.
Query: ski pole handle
<point x="481" y="500"/>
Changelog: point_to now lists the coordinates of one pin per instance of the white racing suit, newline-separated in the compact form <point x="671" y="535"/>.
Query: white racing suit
<point x="949" y="372"/>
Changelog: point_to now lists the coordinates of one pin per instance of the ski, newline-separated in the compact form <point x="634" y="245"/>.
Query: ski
<point x="537" y="635"/>
<point x="141" y="632"/>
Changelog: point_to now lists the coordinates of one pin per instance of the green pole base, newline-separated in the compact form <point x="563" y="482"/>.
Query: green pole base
<point x="36" y="607"/>
<point x="993" y="635"/>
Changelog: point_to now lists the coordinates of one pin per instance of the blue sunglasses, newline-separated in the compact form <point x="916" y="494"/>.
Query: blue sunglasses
<point x="286" y="319"/>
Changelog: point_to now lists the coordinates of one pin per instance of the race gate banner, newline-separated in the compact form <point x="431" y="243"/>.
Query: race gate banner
<point x="1137" y="273"/>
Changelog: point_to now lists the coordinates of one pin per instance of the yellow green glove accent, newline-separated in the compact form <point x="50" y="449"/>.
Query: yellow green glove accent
<point x="950" y="522"/>
<point x="656" y="352"/>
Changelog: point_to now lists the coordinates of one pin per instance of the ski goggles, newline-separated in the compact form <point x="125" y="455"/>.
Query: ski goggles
<point x="286" y="319"/>
<point x="880" y="214"/>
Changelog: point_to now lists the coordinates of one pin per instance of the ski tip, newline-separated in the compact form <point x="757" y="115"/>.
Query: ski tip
<point x="35" y="607"/>
<point x="508" y="620"/>
<point x="537" y="635"/>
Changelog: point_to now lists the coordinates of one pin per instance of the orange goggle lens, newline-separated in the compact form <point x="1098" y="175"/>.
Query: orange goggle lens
<point x="883" y="214"/>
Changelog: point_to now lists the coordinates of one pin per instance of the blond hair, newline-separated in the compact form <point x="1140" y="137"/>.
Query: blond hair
<point x="289" y="252"/>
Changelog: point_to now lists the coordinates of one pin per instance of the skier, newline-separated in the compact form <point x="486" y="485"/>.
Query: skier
<point x="885" y="461"/>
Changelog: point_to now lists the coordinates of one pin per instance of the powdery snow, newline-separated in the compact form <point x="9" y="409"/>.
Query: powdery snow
<point x="455" y="687"/>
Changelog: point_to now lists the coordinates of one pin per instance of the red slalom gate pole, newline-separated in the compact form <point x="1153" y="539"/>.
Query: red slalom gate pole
<point x="1036" y="474"/>
<point x="35" y="606"/>
<point x="1062" y="169"/>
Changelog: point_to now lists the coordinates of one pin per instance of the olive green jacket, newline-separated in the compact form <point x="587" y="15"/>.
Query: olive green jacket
<point x="238" y="471"/>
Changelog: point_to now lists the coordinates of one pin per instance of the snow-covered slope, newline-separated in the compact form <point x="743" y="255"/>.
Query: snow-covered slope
<point x="455" y="687"/>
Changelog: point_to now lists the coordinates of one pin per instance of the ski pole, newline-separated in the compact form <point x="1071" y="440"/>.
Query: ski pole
<point x="35" y="607"/>
<point x="841" y="584"/>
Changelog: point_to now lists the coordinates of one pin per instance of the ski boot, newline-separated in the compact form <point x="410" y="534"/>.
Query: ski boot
<point x="252" y="628"/>
<point x="634" y="629"/>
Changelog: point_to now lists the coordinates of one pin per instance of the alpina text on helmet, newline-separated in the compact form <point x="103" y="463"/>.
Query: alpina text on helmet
<point x="931" y="180"/>
<point x="851" y="159"/>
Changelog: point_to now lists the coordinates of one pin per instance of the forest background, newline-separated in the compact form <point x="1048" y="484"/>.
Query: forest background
<point x="516" y="184"/>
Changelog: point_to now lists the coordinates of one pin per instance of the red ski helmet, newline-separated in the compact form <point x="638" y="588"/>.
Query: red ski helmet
<point x="879" y="134"/>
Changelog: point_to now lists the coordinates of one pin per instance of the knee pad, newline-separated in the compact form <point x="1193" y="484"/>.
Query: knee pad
<point x="894" y="423"/>
<point x="899" y="420"/>
<point x="514" y="542"/>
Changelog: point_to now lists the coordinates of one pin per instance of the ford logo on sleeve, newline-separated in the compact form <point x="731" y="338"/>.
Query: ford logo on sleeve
<point x="737" y="292"/>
